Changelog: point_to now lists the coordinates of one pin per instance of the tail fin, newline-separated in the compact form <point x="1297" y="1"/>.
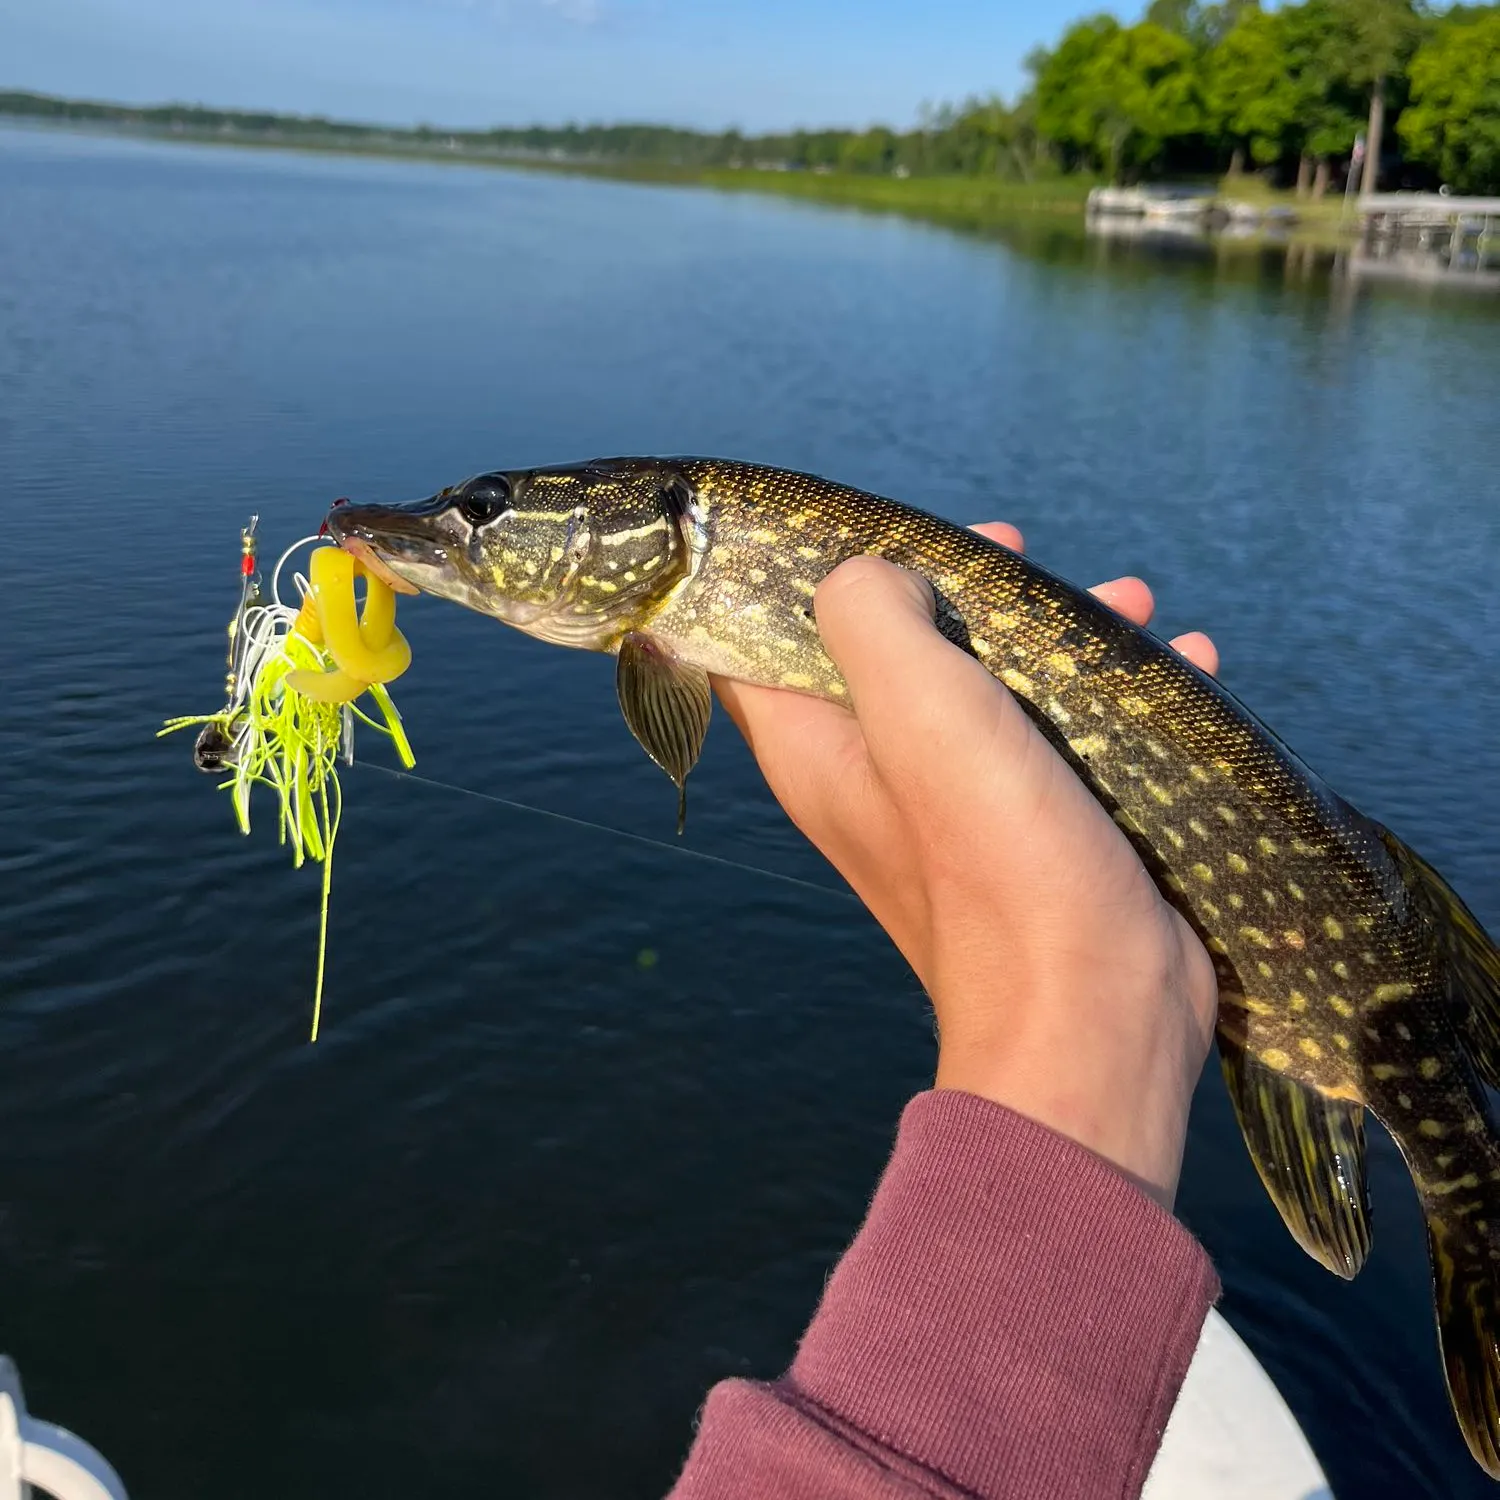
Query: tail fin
<point x="1473" y="960"/>
<point x="1465" y="1255"/>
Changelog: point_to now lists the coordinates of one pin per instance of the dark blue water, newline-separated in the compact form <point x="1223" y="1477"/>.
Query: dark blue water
<point x="534" y="1191"/>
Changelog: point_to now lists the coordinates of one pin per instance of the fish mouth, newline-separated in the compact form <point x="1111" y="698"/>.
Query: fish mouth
<point x="397" y="544"/>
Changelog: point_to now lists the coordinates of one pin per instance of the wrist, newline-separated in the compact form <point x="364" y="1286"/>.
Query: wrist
<point x="1128" y="1104"/>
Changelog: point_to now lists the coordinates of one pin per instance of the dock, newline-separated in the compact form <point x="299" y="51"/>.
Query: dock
<point x="1438" y="233"/>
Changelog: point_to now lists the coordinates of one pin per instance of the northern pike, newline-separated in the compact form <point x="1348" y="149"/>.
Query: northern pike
<point x="1351" y="976"/>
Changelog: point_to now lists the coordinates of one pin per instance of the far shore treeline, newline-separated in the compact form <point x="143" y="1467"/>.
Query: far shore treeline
<point x="1301" y="94"/>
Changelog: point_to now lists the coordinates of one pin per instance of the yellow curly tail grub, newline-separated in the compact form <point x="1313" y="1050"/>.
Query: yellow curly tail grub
<point x="365" y="648"/>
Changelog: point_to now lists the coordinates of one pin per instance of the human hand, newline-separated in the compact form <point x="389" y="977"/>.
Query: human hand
<point x="1064" y="986"/>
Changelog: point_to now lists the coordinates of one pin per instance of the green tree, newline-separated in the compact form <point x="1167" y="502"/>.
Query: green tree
<point x="1453" y="120"/>
<point x="1253" y="91"/>
<point x="1376" y="38"/>
<point x="1115" y="96"/>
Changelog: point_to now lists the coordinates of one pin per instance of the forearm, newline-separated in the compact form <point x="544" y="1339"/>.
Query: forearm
<point x="1014" y="1319"/>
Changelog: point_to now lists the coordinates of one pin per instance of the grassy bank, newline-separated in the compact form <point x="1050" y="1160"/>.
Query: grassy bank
<point x="960" y="202"/>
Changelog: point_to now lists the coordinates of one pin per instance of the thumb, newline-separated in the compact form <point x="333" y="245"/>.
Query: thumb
<point x="915" y="693"/>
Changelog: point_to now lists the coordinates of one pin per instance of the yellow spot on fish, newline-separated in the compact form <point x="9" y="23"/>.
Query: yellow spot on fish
<point x="1274" y="1057"/>
<point x="1063" y="664"/>
<point x="1227" y="813"/>
<point x="1173" y="837"/>
<point x="765" y="538"/>
<point x="1266" y="971"/>
<point x="981" y="645"/>
<point x="629" y="575"/>
<point x="1173" y="882"/>
<point x="606" y="587"/>
<point x="1384" y="1071"/>
<point x="1368" y="957"/>
<point x="1293" y="938"/>
<point x="1340" y="968"/>
<point x="1203" y="873"/>
<point x="1301" y="846"/>
<point x="1403" y="1031"/>
<point x="1297" y="1000"/>
<point x="511" y="557"/>
<point x="1295" y="891"/>
<point x="1270" y="897"/>
<point x="797" y="680"/>
<point x="1430" y="1067"/>
<point x="1404" y="1100"/>
<point x="1090" y="744"/>
<point x="1433" y="1129"/>
<point x="1003" y="622"/>
<point x="557" y="553"/>
<point x="1017" y="682"/>
<point x="1311" y="973"/>
<point x="808" y="554"/>
<point x="1238" y="864"/>
<point x="1265" y="845"/>
<point x="783" y="644"/>
<point x="1259" y="1007"/>
<point x="1198" y="773"/>
<point x="1136" y="707"/>
<point x="1385" y="993"/>
<point x="757" y="575"/>
<point x="1341" y="1041"/>
<point x="1334" y="928"/>
<point x="1212" y="913"/>
<point x="1198" y="827"/>
<point x="1256" y="936"/>
<point x="1215" y="944"/>
<point x="1341" y="1005"/>
<point x="1058" y="712"/>
<point x="1161" y="794"/>
<point x="1310" y="1048"/>
<point x="1236" y="900"/>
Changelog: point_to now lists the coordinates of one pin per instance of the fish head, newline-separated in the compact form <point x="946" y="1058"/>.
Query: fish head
<point x="576" y="555"/>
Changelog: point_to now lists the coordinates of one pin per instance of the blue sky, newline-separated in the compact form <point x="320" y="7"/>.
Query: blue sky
<point x="758" y="64"/>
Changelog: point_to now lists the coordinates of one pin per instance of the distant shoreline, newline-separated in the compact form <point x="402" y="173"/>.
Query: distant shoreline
<point x="965" y="202"/>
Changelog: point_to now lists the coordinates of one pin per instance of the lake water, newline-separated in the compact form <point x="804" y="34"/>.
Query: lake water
<point x="591" y="1119"/>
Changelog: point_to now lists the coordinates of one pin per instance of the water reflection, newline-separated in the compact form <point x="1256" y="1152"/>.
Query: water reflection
<point x="1433" y="247"/>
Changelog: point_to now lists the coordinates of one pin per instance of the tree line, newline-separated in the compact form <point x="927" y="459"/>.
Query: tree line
<point x="1402" y="93"/>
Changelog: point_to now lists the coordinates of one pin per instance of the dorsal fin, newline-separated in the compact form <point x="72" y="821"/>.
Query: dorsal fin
<point x="1473" y="960"/>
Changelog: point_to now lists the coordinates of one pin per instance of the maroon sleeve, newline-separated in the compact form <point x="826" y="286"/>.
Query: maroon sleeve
<point x="1014" y="1319"/>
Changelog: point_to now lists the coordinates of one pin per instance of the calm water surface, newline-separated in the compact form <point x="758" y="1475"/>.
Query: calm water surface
<point x="533" y="1192"/>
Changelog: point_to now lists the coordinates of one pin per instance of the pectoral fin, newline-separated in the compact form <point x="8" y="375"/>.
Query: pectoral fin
<point x="667" y="705"/>
<point x="1310" y="1153"/>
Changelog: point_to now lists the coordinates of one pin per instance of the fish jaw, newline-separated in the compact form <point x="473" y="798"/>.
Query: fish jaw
<point x="407" y="546"/>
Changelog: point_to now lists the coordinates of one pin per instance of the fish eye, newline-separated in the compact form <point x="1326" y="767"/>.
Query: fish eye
<point x="481" y="500"/>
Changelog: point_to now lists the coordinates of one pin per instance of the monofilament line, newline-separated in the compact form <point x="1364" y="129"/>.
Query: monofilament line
<point x="620" y="833"/>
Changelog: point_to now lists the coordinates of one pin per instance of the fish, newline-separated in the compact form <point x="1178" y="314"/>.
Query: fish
<point x="1351" y="976"/>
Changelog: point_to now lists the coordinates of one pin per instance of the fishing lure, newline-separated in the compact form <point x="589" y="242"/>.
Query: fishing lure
<point x="295" y="675"/>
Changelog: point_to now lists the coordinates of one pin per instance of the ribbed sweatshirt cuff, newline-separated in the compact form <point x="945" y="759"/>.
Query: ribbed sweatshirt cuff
<point x="1015" y="1316"/>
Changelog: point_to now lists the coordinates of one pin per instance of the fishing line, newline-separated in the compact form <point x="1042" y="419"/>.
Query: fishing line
<point x="619" y="833"/>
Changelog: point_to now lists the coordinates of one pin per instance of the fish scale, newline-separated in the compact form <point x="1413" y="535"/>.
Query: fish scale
<point x="1350" y="974"/>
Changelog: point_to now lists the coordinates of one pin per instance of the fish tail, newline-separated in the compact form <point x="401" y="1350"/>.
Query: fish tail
<point x="1463" y="1240"/>
<point x="1472" y="960"/>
